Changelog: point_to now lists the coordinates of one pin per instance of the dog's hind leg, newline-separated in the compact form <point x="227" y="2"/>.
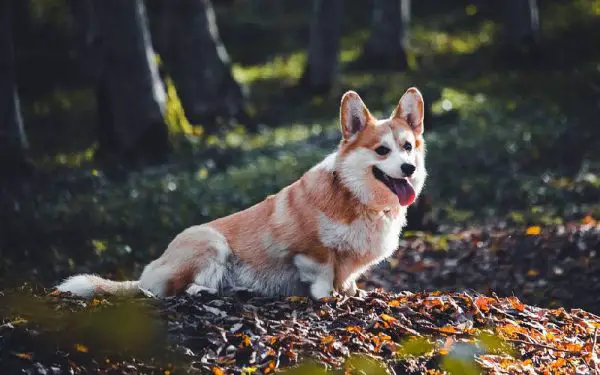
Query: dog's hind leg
<point x="196" y="258"/>
<point x="318" y="275"/>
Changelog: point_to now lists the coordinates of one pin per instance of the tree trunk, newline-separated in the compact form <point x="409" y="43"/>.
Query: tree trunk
<point x="13" y="140"/>
<point x="324" y="46"/>
<point x="130" y="94"/>
<point x="189" y="43"/>
<point x="521" y="21"/>
<point x="386" y="46"/>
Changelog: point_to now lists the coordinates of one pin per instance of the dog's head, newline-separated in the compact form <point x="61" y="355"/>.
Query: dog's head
<point x="382" y="162"/>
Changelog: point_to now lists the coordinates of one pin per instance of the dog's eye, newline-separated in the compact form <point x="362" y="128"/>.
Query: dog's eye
<point x="407" y="146"/>
<point x="382" y="150"/>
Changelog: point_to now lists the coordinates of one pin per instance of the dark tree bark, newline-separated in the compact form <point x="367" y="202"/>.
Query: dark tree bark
<point x="521" y="21"/>
<point x="130" y="94"/>
<point x="188" y="40"/>
<point x="386" y="46"/>
<point x="324" y="46"/>
<point x="13" y="140"/>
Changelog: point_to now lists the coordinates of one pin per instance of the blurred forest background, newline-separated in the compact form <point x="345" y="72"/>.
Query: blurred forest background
<point x="122" y="122"/>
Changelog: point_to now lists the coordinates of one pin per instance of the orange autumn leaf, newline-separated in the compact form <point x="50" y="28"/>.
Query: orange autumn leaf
<point x="572" y="347"/>
<point x="353" y="329"/>
<point x="449" y="329"/>
<point x="505" y="363"/>
<point x="534" y="230"/>
<point x="81" y="348"/>
<point x="245" y="341"/>
<point x="327" y="340"/>
<point x="560" y="362"/>
<point x="218" y="371"/>
<point x="27" y="356"/>
<point x="483" y="303"/>
<point x="588" y="220"/>
<point x="433" y="302"/>
<point x="387" y="318"/>
<point x="511" y="330"/>
<point x="394" y="303"/>
<point x="516" y="304"/>
<point x="270" y="368"/>
<point x="533" y="272"/>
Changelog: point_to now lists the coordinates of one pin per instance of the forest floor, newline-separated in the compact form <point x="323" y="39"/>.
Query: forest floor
<point x="408" y="333"/>
<point x="514" y="187"/>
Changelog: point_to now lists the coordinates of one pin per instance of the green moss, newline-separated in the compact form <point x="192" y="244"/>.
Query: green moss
<point x="175" y="117"/>
<point x="430" y="41"/>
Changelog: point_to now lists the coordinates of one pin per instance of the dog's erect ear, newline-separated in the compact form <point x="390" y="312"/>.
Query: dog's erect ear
<point x="411" y="108"/>
<point x="354" y="115"/>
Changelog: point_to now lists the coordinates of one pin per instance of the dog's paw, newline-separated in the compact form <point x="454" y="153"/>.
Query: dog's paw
<point x="147" y="293"/>
<point x="354" y="291"/>
<point x="196" y="289"/>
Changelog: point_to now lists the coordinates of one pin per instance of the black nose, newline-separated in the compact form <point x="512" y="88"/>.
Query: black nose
<point x="408" y="169"/>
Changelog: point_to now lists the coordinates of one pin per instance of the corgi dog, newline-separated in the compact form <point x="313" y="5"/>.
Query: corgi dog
<point x="315" y="236"/>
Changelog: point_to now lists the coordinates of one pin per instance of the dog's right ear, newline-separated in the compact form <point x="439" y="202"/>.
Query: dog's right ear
<point x="354" y="115"/>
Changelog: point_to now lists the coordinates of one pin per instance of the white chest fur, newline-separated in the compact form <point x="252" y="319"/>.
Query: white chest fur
<point x="376" y="234"/>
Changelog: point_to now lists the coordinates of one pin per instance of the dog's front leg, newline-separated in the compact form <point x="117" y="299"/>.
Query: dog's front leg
<point x="351" y="289"/>
<point x="354" y="291"/>
<point x="347" y="272"/>
<point x="318" y="275"/>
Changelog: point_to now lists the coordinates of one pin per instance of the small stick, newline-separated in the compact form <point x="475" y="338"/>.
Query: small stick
<point x="543" y="346"/>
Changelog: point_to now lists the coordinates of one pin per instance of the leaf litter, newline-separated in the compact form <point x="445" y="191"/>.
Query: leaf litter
<point x="387" y="332"/>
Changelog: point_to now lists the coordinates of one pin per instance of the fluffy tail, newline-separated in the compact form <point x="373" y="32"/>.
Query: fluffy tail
<point x="88" y="286"/>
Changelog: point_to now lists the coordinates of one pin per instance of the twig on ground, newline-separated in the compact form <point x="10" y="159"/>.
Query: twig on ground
<point x="542" y="346"/>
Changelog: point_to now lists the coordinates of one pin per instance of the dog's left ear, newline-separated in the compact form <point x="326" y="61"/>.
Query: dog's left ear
<point x="411" y="109"/>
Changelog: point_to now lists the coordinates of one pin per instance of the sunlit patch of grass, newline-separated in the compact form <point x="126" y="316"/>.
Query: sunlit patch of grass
<point x="239" y="137"/>
<point x="348" y="55"/>
<point x="283" y="136"/>
<point x="351" y="45"/>
<point x="285" y="68"/>
<point x="453" y="99"/>
<point x="358" y="80"/>
<point x="429" y="41"/>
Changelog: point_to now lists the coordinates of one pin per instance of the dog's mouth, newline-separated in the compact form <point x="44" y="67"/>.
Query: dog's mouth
<point x="399" y="186"/>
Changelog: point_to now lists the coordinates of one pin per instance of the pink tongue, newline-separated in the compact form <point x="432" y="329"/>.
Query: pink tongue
<point x="404" y="191"/>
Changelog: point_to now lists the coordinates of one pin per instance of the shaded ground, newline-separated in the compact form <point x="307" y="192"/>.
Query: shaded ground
<point x="547" y="266"/>
<point x="465" y="332"/>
